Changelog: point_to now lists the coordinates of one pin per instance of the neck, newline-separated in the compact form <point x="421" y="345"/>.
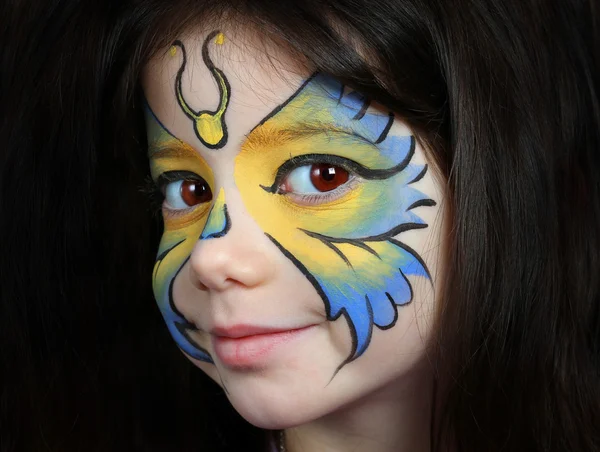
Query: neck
<point x="395" y="418"/>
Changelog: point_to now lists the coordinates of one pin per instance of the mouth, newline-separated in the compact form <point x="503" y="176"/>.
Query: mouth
<point x="247" y="346"/>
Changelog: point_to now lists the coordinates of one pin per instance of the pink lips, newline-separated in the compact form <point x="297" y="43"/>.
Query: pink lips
<point x="246" y="346"/>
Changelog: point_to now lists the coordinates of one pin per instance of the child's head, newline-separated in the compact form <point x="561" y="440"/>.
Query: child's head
<point x="389" y="177"/>
<point x="301" y="229"/>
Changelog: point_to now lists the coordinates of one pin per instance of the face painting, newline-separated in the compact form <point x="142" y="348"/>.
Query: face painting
<point x="327" y="180"/>
<point x="345" y="245"/>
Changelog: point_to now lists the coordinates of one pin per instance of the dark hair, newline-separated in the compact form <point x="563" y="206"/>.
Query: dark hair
<point x="504" y="97"/>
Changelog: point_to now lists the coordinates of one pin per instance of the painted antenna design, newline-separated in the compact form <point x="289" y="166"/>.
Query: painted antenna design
<point x="209" y="126"/>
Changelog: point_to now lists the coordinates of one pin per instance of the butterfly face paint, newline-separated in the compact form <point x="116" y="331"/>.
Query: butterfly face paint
<point x="344" y="242"/>
<point x="324" y="178"/>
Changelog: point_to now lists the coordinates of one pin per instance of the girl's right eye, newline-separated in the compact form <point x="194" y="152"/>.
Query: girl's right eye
<point x="185" y="192"/>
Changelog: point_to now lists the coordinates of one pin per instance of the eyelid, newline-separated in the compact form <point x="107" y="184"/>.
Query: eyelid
<point x="167" y="177"/>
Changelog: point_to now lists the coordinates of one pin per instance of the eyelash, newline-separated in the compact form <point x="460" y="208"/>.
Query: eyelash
<point x="154" y="195"/>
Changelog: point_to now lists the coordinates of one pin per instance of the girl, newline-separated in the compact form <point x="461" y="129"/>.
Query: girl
<point x="379" y="226"/>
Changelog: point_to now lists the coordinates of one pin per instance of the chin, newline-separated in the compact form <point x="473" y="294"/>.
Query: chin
<point x="263" y="402"/>
<point x="272" y="414"/>
<point x="275" y="406"/>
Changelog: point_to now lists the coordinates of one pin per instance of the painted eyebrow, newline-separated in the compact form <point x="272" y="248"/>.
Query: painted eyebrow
<point x="173" y="152"/>
<point x="262" y="137"/>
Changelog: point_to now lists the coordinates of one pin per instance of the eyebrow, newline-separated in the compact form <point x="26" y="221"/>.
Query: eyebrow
<point x="264" y="137"/>
<point x="172" y="152"/>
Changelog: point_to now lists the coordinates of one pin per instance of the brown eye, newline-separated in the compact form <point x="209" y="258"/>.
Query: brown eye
<point x="195" y="192"/>
<point x="181" y="191"/>
<point x="327" y="177"/>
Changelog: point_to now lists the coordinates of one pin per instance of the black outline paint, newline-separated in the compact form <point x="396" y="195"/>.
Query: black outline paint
<point x="363" y="110"/>
<point x="427" y="202"/>
<point x="284" y="104"/>
<point x="387" y="129"/>
<point x="335" y="249"/>
<point x="419" y="176"/>
<point x="393" y="303"/>
<point x="403" y="227"/>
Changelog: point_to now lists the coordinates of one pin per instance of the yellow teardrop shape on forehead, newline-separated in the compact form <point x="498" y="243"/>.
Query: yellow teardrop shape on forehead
<point x="220" y="39"/>
<point x="209" y="127"/>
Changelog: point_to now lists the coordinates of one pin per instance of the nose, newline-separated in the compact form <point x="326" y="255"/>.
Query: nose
<point x="228" y="255"/>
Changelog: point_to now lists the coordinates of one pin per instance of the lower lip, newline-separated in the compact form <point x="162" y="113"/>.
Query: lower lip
<point x="250" y="351"/>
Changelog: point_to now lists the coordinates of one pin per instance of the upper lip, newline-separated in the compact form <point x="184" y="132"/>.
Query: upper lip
<point x="239" y="331"/>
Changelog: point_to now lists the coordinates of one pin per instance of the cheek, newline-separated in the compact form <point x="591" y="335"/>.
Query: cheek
<point x="407" y="341"/>
<point x="395" y="355"/>
<point x="188" y="299"/>
<point x="169" y="269"/>
<point x="174" y="250"/>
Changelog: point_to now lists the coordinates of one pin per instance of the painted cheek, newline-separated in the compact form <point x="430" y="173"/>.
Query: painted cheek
<point x="174" y="251"/>
<point x="181" y="232"/>
<point x="347" y="249"/>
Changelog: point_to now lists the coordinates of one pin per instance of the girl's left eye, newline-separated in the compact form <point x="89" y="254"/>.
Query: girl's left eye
<point x="315" y="178"/>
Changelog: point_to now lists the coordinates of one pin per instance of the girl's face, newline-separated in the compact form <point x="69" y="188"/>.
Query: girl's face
<point x="298" y="257"/>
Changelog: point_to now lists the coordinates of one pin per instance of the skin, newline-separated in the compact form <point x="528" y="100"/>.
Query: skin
<point x="330" y="389"/>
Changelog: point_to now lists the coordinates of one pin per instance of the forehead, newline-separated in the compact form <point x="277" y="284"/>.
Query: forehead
<point x="259" y="77"/>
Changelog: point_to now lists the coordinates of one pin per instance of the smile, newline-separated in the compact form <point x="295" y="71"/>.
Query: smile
<point x="246" y="347"/>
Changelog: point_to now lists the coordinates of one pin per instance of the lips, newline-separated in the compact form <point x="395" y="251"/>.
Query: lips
<point x="240" y="331"/>
<point x="248" y="346"/>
